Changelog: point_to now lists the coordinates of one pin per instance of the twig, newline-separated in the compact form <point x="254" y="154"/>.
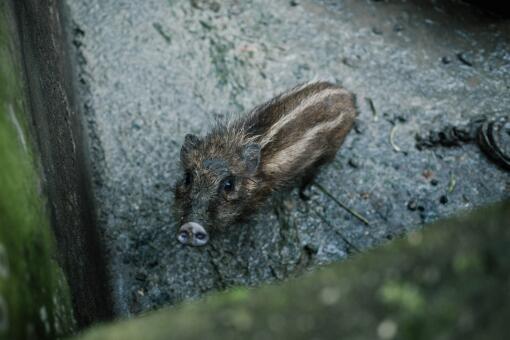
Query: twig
<point x="371" y="105"/>
<point x="157" y="26"/>
<point x="392" y="139"/>
<point x="452" y="183"/>
<point x="349" y="210"/>
<point x="325" y="220"/>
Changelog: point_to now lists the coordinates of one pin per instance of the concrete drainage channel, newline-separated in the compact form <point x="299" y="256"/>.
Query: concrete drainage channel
<point x="114" y="86"/>
<point x="151" y="73"/>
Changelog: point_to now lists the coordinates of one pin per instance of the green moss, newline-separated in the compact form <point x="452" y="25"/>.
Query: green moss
<point x="34" y="296"/>
<point x="404" y="295"/>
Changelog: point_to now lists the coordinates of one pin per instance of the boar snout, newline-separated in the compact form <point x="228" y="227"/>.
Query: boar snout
<point x="192" y="234"/>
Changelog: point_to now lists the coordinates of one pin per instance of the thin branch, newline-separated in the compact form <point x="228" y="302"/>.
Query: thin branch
<point x="392" y="139"/>
<point x="349" y="210"/>
<point x="325" y="220"/>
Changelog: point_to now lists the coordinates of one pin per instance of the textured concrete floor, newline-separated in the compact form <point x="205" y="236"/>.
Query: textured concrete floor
<point x="151" y="71"/>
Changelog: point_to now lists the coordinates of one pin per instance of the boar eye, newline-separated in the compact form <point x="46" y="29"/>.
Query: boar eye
<point x="188" y="177"/>
<point x="228" y="184"/>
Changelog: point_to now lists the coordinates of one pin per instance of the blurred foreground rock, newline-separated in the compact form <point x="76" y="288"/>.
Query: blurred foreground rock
<point x="448" y="281"/>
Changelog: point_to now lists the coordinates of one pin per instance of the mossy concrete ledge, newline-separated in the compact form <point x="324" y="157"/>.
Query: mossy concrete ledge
<point x="448" y="281"/>
<point x="35" y="302"/>
<point x="57" y="129"/>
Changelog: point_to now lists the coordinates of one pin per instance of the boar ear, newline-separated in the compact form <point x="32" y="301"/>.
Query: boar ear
<point x="190" y="142"/>
<point x="251" y="157"/>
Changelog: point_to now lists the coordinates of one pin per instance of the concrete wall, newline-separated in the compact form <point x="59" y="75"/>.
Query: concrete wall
<point x="44" y="167"/>
<point x="35" y="301"/>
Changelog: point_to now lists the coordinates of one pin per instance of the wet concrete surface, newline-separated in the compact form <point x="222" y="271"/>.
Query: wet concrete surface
<point x="150" y="72"/>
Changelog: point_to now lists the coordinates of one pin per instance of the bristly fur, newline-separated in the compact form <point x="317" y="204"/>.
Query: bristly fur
<point x="294" y="134"/>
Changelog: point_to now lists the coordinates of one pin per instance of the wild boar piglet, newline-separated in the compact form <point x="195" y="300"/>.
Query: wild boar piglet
<point x="282" y="143"/>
